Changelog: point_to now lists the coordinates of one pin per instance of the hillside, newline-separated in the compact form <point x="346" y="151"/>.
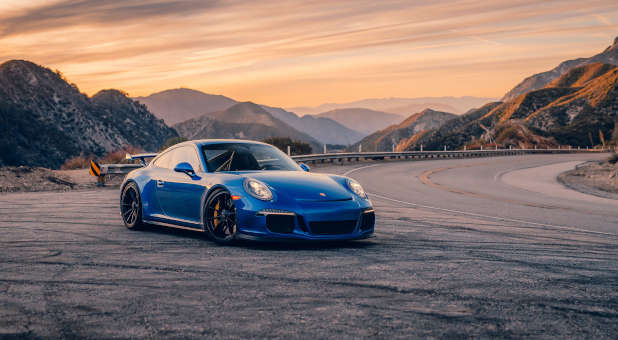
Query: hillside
<point x="362" y="120"/>
<point x="177" y="105"/>
<point x="540" y="80"/>
<point x="323" y="129"/>
<point x="400" y="134"/>
<point x="44" y="120"/>
<point x="575" y="109"/>
<point x="402" y="106"/>
<point x="243" y="120"/>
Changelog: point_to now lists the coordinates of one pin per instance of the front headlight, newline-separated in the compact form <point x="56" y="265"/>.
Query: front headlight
<point x="356" y="188"/>
<point x="258" y="189"/>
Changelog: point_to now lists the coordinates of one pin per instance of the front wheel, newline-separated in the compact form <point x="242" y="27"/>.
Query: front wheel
<point x="131" y="207"/>
<point x="220" y="217"/>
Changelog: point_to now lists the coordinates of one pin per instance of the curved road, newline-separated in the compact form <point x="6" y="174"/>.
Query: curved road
<point x="520" y="189"/>
<point x="482" y="248"/>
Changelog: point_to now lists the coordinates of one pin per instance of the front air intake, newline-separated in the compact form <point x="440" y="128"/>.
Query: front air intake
<point x="368" y="220"/>
<point x="282" y="224"/>
<point x="332" y="227"/>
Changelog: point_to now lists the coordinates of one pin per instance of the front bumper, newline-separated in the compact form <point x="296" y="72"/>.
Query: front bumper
<point x="311" y="221"/>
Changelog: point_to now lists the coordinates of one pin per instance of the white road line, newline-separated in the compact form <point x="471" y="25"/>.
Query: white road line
<point x="360" y="168"/>
<point x="474" y="214"/>
<point x="491" y="217"/>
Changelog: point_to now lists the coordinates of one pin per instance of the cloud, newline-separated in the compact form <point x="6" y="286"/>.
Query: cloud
<point x="235" y="46"/>
<point x="101" y="12"/>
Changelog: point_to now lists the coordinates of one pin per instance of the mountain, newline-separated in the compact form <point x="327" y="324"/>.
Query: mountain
<point x="402" y="106"/>
<point x="44" y="120"/>
<point x="576" y="109"/>
<point x="363" y="120"/>
<point x="400" y="134"/>
<point x="242" y="120"/>
<point x="177" y="105"/>
<point x="454" y="133"/>
<point x="540" y="80"/>
<point x="323" y="129"/>
<point x="408" y="109"/>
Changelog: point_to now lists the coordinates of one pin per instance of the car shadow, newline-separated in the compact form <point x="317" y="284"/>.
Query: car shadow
<point x="265" y="245"/>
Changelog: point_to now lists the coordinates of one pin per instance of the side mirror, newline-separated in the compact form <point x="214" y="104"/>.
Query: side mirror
<point x="305" y="167"/>
<point x="185" y="168"/>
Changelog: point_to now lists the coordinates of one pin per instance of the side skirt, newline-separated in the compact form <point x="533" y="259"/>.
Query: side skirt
<point x="163" y="224"/>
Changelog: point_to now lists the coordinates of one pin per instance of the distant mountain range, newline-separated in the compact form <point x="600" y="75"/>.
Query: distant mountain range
<point x="540" y="80"/>
<point x="244" y="121"/>
<point x="325" y="130"/>
<point x="402" y="135"/>
<point x="179" y="105"/>
<point x="363" y="120"/>
<point x="576" y="109"/>
<point x="44" y="120"/>
<point x="401" y="106"/>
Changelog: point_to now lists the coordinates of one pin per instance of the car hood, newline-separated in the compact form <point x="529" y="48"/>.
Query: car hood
<point x="302" y="186"/>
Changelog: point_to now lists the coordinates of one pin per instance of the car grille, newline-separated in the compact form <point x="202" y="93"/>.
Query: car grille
<point x="332" y="227"/>
<point x="283" y="224"/>
<point x="368" y="219"/>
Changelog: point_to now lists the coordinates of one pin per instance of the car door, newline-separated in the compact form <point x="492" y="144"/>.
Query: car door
<point x="156" y="170"/>
<point x="179" y="194"/>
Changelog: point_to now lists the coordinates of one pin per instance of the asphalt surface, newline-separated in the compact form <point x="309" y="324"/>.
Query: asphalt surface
<point x="463" y="248"/>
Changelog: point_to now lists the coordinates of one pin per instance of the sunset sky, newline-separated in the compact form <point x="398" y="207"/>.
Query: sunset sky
<point x="290" y="53"/>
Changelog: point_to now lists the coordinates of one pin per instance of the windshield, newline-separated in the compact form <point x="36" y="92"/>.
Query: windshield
<point x="246" y="156"/>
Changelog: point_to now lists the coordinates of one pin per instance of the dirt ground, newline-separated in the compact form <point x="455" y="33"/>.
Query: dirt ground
<point x="595" y="178"/>
<point x="28" y="179"/>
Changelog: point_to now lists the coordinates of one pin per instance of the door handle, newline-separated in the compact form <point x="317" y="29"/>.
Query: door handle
<point x="160" y="183"/>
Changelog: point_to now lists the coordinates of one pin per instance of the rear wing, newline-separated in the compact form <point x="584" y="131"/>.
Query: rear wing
<point x="141" y="157"/>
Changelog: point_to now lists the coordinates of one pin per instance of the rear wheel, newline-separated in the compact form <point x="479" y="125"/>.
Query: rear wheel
<point x="220" y="217"/>
<point x="131" y="207"/>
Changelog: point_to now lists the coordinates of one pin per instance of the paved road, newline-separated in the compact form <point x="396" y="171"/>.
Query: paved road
<point x="459" y="252"/>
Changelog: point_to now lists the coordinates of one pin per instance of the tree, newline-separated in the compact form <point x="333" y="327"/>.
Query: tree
<point x="296" y="147"/>
<point x="171" y="141"/>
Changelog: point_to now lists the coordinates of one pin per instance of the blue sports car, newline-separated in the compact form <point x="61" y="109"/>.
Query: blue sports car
<point x="233" y="189"/>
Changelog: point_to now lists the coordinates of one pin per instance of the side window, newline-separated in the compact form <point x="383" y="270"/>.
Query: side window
<point x="164" y="161"/>
<point x="186" y="154"/>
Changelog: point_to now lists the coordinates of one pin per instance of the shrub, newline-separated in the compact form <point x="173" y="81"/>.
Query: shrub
<point x="113" y="157"/>
<point x="79" y="162"/>
<point x="119" y="156"/>
<point x="296" y="147"/>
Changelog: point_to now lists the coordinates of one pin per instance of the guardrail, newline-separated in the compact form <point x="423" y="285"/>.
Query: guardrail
<point x="111" y="169"/>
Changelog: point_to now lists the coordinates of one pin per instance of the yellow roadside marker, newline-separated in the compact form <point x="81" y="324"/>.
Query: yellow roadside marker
<point x="95" y="168"/>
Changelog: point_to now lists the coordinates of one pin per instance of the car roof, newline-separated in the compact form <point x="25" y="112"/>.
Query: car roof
<point x="202" y="142"/>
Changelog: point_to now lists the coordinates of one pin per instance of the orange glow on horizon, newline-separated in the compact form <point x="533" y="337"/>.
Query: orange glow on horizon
<point x="297" y="53"/>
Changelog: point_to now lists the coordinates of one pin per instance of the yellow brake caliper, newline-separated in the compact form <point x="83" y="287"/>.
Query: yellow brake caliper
<point x="216" y="221"/>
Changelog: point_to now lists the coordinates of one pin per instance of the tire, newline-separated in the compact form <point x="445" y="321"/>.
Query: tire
<point x="220" y="221"/>
<point x="131" y="207"/>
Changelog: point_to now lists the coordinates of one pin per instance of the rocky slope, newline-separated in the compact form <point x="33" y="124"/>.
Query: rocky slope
<point x="243" y="120"/>
<point x="44" y="120"/>
<point x="540" y="80"/>
<point x="177" y="105"/>
<point x="363" y="120"/>
<point x="576" y="109"/>
<point x="403" y="133"/>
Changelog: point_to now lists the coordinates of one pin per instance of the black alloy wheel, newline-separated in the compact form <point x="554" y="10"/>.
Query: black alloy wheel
<point x="131" y="207"/>
<point x="220" y="217"/>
